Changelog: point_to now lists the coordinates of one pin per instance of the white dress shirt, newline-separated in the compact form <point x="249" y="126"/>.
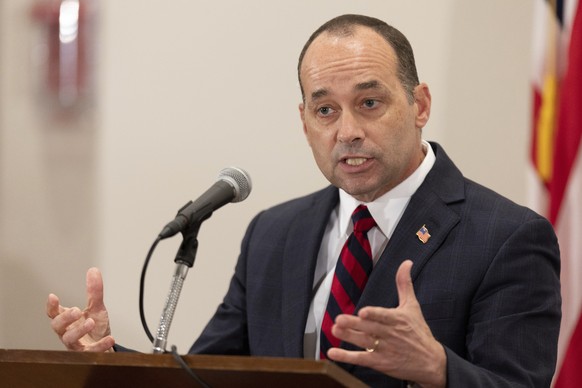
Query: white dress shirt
<point x="387" y="211"/>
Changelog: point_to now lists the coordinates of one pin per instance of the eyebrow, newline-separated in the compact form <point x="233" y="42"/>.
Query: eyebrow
<point x="367" y="85"/>
<point x="373" y="84"/>
<point x="318" y="94"/>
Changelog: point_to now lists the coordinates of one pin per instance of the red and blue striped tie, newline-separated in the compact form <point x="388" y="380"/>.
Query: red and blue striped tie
<point x="351" y="275"/>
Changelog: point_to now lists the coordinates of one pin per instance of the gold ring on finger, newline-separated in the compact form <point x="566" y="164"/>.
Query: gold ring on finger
<point x="373" y="348"/>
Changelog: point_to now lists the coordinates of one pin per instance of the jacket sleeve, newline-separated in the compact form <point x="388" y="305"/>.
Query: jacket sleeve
<point x="515" y="315"/>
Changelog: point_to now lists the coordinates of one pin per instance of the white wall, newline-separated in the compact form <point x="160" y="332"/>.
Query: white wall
<point x="186" y="88"/>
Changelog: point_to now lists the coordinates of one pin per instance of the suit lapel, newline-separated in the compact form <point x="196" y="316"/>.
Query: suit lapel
<point x="424" y="209"/>
<point x="299" y="260"/>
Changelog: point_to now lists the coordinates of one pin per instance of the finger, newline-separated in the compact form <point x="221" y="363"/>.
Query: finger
<point x="72" y="336"/>
<point x="372" y="324"/>
<point x="404" y="283"/>
<point x="53" y="307"/>
<point x="378" y="317"/>
<point x="355" y="331"/>
<point x="352" y="357"/>
<point x="94" y="290"/>
<point x="64" y="320"/>
<point x="103" y="345"/>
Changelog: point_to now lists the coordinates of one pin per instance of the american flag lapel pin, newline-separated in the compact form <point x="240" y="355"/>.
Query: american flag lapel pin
<point x="423" y="234"/>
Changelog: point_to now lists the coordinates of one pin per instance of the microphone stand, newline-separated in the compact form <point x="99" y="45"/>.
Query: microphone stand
<point x="184" y="260"/>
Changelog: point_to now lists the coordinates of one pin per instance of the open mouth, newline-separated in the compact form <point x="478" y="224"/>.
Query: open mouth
<point x="355" y="161"/>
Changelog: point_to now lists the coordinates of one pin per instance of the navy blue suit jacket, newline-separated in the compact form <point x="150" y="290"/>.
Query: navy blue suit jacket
<point x="487" y="282"/>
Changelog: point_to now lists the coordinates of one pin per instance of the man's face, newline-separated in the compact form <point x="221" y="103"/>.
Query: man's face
<point x="363" y="132"/>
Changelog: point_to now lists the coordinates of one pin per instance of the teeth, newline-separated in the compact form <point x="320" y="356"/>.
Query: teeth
<point x="355" y="161"/>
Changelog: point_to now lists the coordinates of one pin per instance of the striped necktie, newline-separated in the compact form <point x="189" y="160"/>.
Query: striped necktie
<point x="351" y="275"/>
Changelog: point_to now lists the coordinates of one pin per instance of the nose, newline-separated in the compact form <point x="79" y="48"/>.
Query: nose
<point x="350" y="129"/>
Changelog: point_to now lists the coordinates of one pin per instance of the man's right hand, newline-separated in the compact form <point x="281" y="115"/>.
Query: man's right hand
<point x="83" y="330"/>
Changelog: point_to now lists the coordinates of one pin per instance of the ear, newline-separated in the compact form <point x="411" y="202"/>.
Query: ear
<point x="422" y="100"/>
<point x="302" y="114"/>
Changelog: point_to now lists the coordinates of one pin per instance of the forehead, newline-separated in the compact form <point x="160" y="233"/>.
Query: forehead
<point x="348" y="59"/>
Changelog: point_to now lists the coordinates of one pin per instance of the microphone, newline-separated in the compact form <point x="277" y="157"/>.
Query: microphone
<point x="233" y="185"/>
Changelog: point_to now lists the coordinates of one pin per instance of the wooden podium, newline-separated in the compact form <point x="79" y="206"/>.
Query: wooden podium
<point x="48" y="369"/>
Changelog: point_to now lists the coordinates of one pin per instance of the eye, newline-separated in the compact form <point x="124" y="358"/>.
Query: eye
<point x="324" y="111"/>
<point x="370" y="103"/>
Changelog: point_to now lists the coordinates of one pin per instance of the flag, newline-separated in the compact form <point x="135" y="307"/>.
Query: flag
<point x="556" y="162"/>
<point x="423" y="234"/>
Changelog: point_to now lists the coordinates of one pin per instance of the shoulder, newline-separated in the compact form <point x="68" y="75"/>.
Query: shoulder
<point x="327" y="197"/>
<point x="279" y="219"/>
<point x="471" y="199"/>
<point x="484" y="200"/>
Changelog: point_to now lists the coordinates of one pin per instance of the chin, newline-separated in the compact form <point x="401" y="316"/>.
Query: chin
<point x="358" y="193"/>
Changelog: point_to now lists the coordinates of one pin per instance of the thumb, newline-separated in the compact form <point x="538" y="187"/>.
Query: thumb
<point x="404" y="283"/>
<point x="94" y="290"/>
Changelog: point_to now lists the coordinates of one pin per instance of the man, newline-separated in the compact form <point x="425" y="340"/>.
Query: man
<point x="464" y="290"/>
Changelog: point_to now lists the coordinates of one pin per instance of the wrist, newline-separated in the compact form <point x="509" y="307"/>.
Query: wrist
<point x="437" y="376"/>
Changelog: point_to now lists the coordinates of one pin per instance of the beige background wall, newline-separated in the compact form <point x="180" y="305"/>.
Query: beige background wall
<point x="185" y="88"/>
